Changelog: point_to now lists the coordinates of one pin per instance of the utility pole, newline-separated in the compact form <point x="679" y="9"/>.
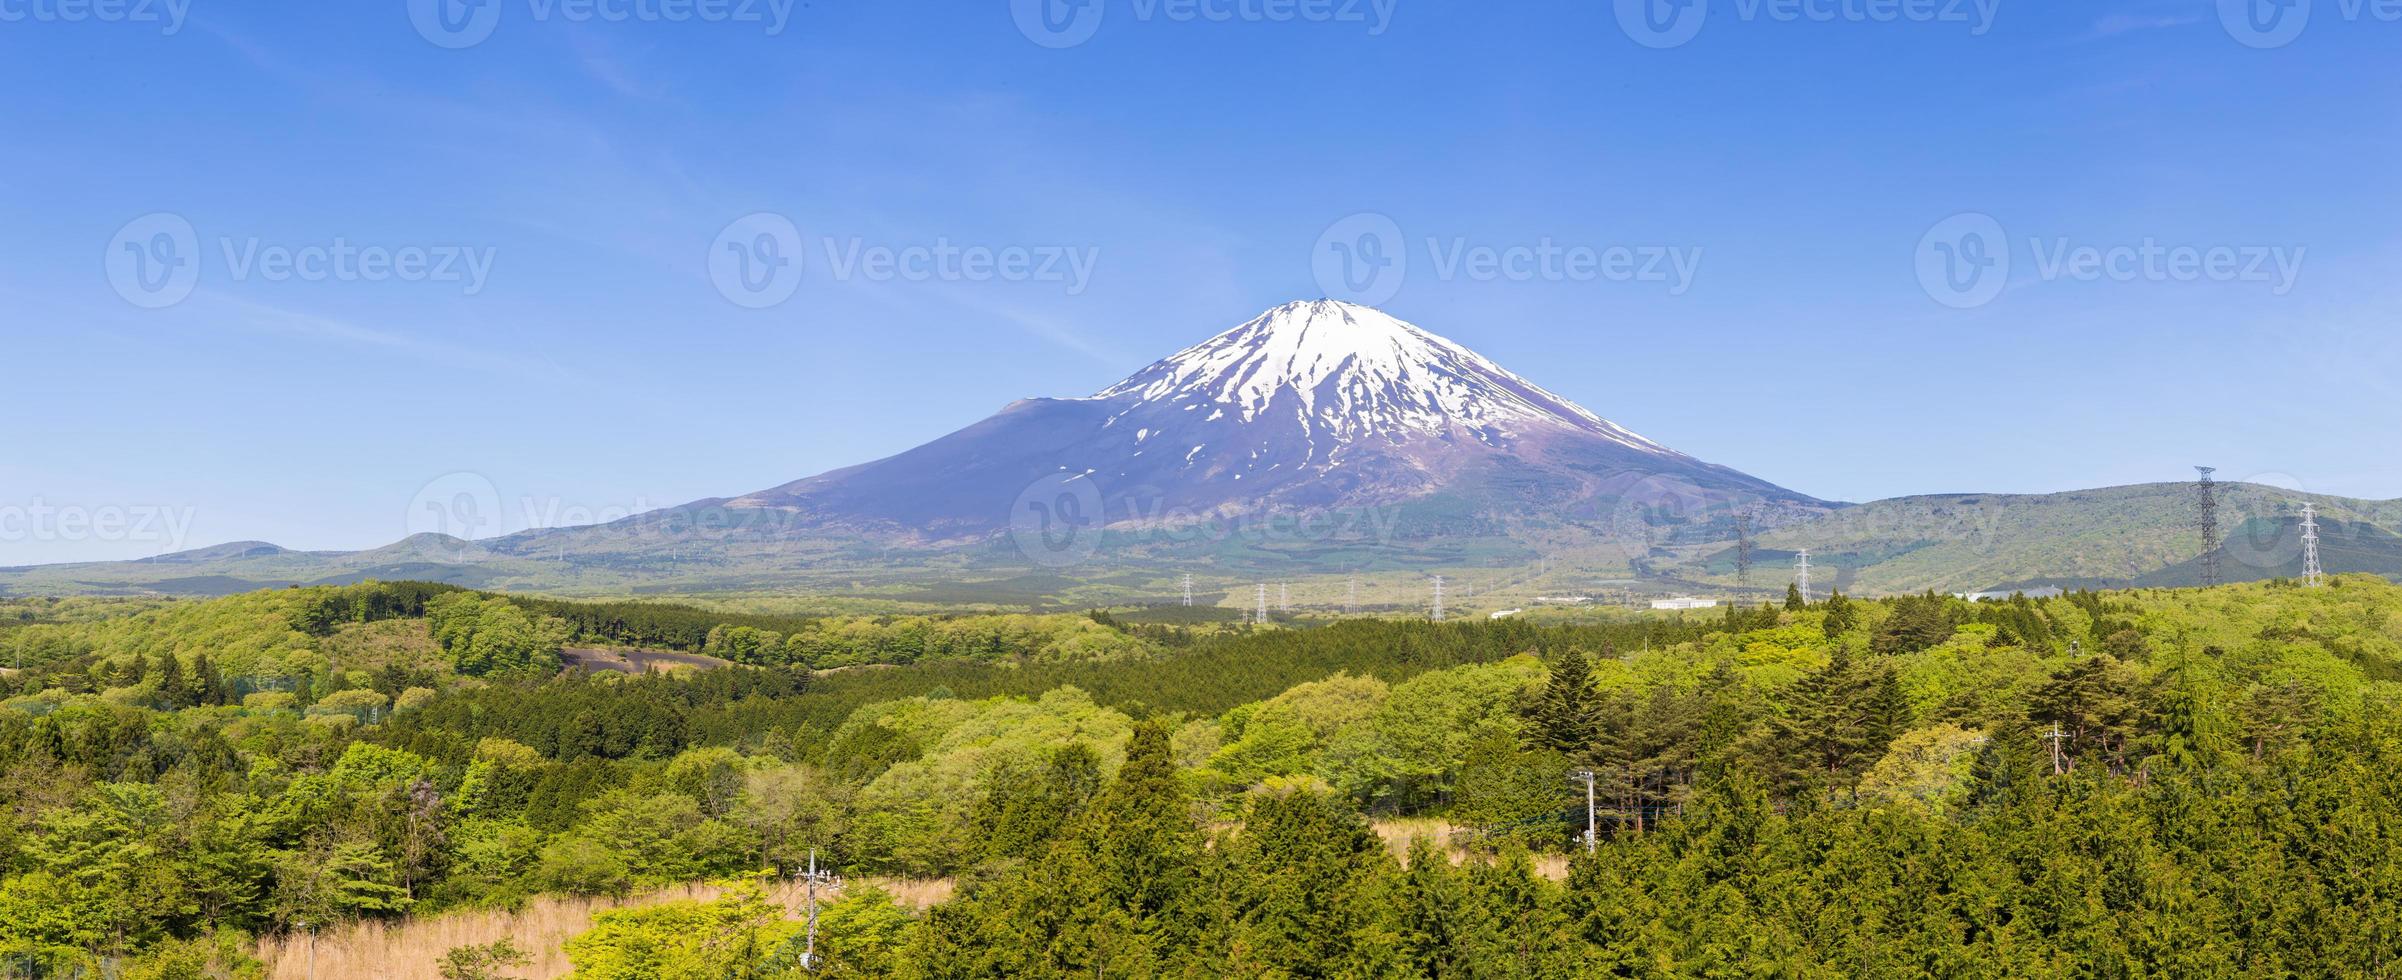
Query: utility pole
<point x="813" y="879"/>
<point x="2312" y="577"/>
<point x="2055" y="736"/>
<point x="2208" y="502"/>
<point x="1801" y="575"/>
<point x="1438" y="598"/>
<point x="1188" y="588"/>
<point x="1592" y="823"/>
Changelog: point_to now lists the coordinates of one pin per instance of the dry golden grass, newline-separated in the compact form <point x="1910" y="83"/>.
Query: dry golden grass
<point x="1398" y="834"/>
<point x="411" y="949"/>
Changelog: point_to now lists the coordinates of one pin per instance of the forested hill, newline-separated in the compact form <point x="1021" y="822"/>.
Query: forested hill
<point x="2147" y="783"/>
<point x="2114" y="537"/>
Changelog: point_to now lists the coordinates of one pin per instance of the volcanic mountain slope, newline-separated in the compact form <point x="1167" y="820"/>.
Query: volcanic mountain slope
<point x="1312" y="407"/>
<point x="1317" y="438"/>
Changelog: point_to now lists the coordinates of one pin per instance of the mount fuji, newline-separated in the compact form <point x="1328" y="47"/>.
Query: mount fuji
<point x="1319" y="437"/>
<point x="1310" y="408"/>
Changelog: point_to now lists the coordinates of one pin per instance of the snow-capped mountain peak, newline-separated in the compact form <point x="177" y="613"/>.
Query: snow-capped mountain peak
<point x="1317" y="408"/>
<point x="1353" y="372"/>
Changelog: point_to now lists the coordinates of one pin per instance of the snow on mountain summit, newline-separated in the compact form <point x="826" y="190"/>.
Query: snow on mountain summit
<point x="1352" y="372"/>
<point x="1311" y="408"/>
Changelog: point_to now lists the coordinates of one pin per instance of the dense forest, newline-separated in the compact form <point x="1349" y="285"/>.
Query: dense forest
<point x="2152" y="783"/>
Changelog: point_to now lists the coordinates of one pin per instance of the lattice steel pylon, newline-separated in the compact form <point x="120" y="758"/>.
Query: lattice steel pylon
<point x="1438" y="598"/>
<point x="2312" y="575"/>
<point x="1801" y="575"/>
<point x="2207" y="490"/>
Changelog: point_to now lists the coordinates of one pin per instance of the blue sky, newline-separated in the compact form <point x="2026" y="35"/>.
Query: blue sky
<point x="1805" y="156"/>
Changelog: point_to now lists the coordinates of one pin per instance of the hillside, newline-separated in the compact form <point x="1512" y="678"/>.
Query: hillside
<point x="1748" y="764"/>
<point x="2110" y="538"/>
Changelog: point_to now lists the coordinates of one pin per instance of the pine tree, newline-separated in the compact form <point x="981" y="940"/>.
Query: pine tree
<point x="2093" y="702"/>
<point x="1840" y="615"/>
<point x="1793" y="598"/>
<point x="173" y="694"/>
<point x="1838" y="721"/>
<point x="1562" y="716"/>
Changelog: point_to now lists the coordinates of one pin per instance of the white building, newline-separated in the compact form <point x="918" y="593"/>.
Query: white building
<point x="2043" y="593"/>
<point x="1684" y="602"/>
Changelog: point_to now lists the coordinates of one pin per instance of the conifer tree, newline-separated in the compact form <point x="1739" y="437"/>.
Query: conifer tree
<point x="1562" y="716"/>
<point x="1840" y="615"/>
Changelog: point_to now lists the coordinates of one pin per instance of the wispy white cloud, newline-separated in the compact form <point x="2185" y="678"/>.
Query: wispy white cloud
<point x="2118" y="24"/>
<point x="246" y="314"/>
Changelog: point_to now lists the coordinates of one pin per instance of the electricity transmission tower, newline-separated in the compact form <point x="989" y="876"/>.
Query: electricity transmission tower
<point x="2312" y="576"/>
<point x="2207" y="491"/>
<point x="1351" y="598"/>
<point x="1801" y="575"/>
<point x="1284" y="597"/>
<point x="1438" y="598"/>
<point x="1743" y="550"/>
<point x="1260" y="616"/>
<point x="1188" y="588"/>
